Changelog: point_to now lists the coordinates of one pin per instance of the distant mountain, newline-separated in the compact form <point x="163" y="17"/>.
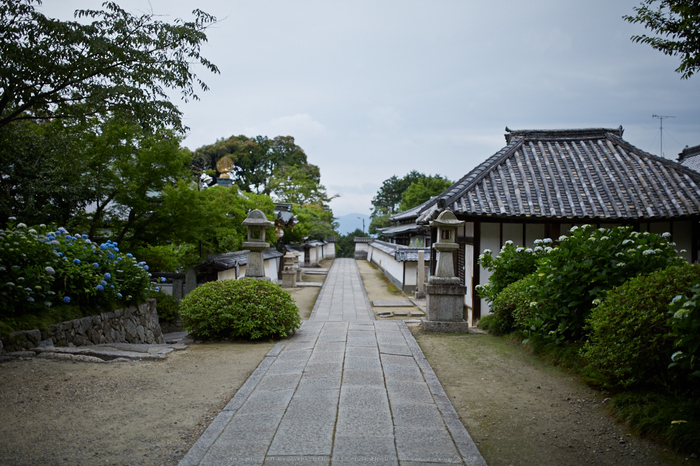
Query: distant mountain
<point x="350" y="222"/>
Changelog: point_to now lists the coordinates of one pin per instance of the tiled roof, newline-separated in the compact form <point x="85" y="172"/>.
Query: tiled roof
<point x="228" y="260"/>
<point x="690" y="157"/>
<point x="573" y="174"/>
<point x="410" y="214"/>
<point x="400" y="253"/>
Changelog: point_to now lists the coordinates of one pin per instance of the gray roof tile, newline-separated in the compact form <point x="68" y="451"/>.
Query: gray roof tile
<point x="573" y="174"/>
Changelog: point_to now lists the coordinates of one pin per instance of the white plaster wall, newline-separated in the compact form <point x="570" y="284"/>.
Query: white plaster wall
<point x="271" y="270"/>
<point x="389" y="265"/>
<point x="533" y="232"/>
<point x="513" y="232"/>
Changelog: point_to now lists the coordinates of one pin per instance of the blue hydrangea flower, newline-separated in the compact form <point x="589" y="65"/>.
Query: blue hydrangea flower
<point x="66" y="299"/>
<point x="104" y="246"/>
<point x="145" y="267"/>
<point x="95" y="264"/>
<point x="157" y="288"/>
<point x="103" y="283"/>
<point x="108" y="275"/>
<point x="119" y="295"/>
<point x="100" y="288"/>
<point x="111" y="286"/>
<point x="76" y="261"/>
<point x="129" y="255"/>
<point x="50" y="270"/>
<point x="162" y="279"/>
<point x="84" y="236"/>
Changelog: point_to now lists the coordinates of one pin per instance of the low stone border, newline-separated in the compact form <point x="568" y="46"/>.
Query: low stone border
<point x="131" y="325"/>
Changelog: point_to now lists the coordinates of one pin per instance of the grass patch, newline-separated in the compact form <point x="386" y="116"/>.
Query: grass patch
<point x="672" y="419"/>
<point x="667" y="419"/>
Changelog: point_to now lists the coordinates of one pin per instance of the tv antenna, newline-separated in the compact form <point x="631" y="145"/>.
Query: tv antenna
<point x="661" y="129"/>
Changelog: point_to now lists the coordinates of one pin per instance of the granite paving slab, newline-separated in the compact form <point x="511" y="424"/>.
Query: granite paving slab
<point x="392" y="303"/>
<point x="344" y="390"/>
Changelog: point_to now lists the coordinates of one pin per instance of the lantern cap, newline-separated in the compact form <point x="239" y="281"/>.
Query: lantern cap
<point x="257" y="217"/>
<point x="446" y="219"/>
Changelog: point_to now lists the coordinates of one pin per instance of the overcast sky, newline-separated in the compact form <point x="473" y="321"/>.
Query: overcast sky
<point x="375" y="88"/>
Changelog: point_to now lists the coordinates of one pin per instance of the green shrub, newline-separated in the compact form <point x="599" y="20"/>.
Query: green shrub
<point x="514" y="300"/>
<point x="512" y="263"/>
<point x="166" y="305"/>
<point x="628" y="340"/>
<point x="583" y="268"/>
<point x="248" y="309"/>
<point x="685" y="329"/>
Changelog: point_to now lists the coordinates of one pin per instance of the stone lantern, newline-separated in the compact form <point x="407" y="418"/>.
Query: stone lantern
<point x="256" y="222"/>
<point x="445" y="295"/>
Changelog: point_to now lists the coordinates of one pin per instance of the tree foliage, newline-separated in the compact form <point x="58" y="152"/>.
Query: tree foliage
<point x="422" y="190"/>
<point x="256" y="160"/>
<point x="345" y="247"/>
<point x="65" y="69"/>
<point x="675" y="25"/>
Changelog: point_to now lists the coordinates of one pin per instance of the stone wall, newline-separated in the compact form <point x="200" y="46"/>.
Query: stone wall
<point x="130" y="325"/>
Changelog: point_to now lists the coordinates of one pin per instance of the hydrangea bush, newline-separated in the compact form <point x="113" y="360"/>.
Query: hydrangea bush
<point x="42" y="266"/>
<point x="510" y="265"/>
<point x="685" y="329"/>
<point x="578" y="273"/>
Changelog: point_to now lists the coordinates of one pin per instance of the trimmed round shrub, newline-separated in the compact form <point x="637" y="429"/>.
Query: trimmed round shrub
<point x="628" y="340"/>
<point x="511" y="306"/>
<point x="246" y="309"/>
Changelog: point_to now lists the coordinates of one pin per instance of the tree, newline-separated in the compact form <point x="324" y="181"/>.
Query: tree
<point x="388" y="197"/>
<point x="422" y="190"/>
<point x="119" y="62"/>
<point x="298" y="185"/>
<point x="676" y="24"/>
<point x="345" y="247"/>
<point x="129" y="169"/>
<point x="256" y="159"/>
<point x="314" y="222"/>
<point x="37" y="184"/>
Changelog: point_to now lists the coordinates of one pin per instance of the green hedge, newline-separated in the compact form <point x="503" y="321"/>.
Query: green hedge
<point x="247" y="309"/>
<point x="629" y="339"/>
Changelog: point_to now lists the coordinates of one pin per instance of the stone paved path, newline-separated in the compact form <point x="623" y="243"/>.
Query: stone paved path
<point x="345" y="390"/>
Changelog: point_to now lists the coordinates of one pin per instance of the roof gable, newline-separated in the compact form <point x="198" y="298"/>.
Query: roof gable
<point x="573" y="174"/>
